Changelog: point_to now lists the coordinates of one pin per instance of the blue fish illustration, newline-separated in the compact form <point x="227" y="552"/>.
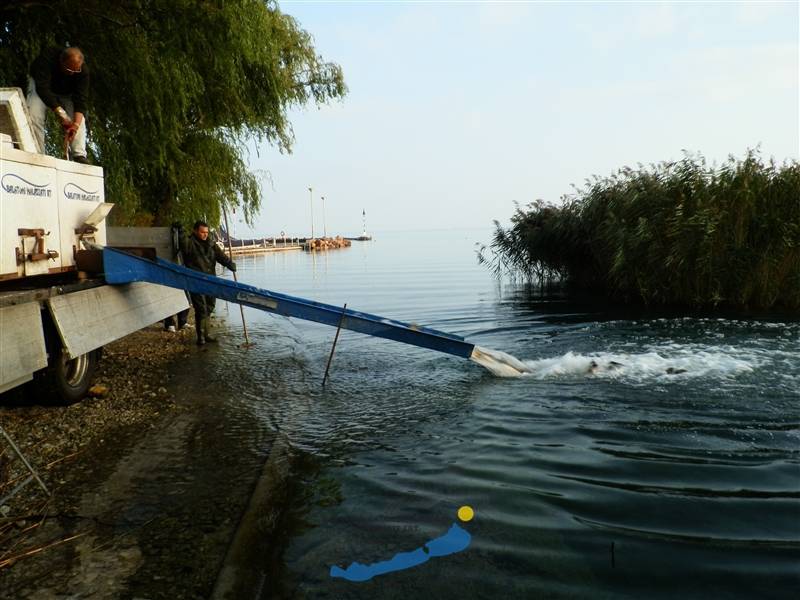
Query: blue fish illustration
<point x="455" y="540"/>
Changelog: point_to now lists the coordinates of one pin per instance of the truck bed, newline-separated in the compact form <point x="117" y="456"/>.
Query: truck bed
<point x="28" y="292"/>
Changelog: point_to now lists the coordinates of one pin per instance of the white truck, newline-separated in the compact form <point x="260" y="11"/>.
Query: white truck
<point x="55" y="313"/>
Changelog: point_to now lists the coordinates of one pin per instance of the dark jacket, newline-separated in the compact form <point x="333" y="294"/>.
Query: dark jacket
<point x="52" y="82"/>
<point x="203" y="256"/>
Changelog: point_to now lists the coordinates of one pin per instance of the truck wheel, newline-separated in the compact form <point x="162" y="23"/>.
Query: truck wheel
<point x="71" y="379"/>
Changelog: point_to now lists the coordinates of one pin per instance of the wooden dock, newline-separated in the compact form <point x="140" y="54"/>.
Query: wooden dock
<point x="266" y="245"/>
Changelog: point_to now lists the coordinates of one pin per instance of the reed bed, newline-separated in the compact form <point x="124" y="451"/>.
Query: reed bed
<point x="674" y="233"/>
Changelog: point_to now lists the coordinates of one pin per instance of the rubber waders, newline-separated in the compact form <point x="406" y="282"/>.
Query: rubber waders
<point x="200" y="325"/>
<point x="206" y="335"/>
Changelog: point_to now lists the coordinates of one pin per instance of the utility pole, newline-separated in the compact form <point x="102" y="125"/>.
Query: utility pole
<point x="324" y="225"/>
<point x="311" y="198"/>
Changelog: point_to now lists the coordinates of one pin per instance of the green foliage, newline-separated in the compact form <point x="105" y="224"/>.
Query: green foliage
<point x="671" y="234"/>
<point x="178" y="87"/>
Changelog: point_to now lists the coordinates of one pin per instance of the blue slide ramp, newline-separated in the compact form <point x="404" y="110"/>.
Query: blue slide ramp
<point x="121" y="267"/>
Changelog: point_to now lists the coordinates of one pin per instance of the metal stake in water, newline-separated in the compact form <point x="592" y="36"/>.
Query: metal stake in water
<point x="335" y="339"/>
<point x="230" y="255"/>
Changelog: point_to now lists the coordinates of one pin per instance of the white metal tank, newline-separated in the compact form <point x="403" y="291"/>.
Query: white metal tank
<point x="45" y="202"/>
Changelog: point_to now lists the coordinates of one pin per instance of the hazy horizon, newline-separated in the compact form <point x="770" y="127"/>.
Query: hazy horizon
<point x="458" y="110"/>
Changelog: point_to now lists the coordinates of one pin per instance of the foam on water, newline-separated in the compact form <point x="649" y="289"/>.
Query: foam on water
<point x="679" y="363"/>
<point x="667" y="363"/>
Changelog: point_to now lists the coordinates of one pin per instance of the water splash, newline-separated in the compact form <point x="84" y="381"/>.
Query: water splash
<point x="669" y="363"/>
<point x="687" y="363"/>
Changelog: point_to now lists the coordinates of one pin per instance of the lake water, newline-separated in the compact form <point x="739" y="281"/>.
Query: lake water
<point x="670" y="466"/>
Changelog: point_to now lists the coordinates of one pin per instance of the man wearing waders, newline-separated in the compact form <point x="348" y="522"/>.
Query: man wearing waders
<point x="202" y="254"/>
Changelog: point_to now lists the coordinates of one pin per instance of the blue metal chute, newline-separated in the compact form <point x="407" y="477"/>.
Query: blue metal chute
<point x="121" y="267"/>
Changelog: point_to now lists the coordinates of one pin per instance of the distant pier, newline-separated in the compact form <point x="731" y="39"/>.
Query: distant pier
<point x="260" y="246"/>
<point x="282" y="244"/>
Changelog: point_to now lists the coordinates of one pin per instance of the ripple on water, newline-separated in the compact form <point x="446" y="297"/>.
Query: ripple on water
<point x="681" y="446"/>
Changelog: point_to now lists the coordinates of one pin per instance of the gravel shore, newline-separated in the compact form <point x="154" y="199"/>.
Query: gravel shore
<point x="73" y="447"/>
<point x="149" y="480"/>
<point x="131" y="391"/>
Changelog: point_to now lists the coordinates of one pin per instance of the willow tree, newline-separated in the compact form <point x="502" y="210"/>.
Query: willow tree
<point x="178" y="88"/>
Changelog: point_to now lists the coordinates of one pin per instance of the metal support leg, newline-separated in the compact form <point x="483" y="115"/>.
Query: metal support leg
<point x="335" y="339"/>
<point x="34" y="474"/>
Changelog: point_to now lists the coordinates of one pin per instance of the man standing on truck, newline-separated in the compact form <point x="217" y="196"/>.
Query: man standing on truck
<point x="202" y="254"/>
<point x="59" y="80"/>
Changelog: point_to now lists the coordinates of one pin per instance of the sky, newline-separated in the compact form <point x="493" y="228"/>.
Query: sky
<point x="458" y="110"/>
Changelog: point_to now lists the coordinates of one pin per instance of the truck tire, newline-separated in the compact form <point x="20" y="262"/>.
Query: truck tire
<point x="70" y="379"/>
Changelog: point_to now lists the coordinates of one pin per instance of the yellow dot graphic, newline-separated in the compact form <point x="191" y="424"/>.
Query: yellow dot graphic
<point x="465" y="513"/>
